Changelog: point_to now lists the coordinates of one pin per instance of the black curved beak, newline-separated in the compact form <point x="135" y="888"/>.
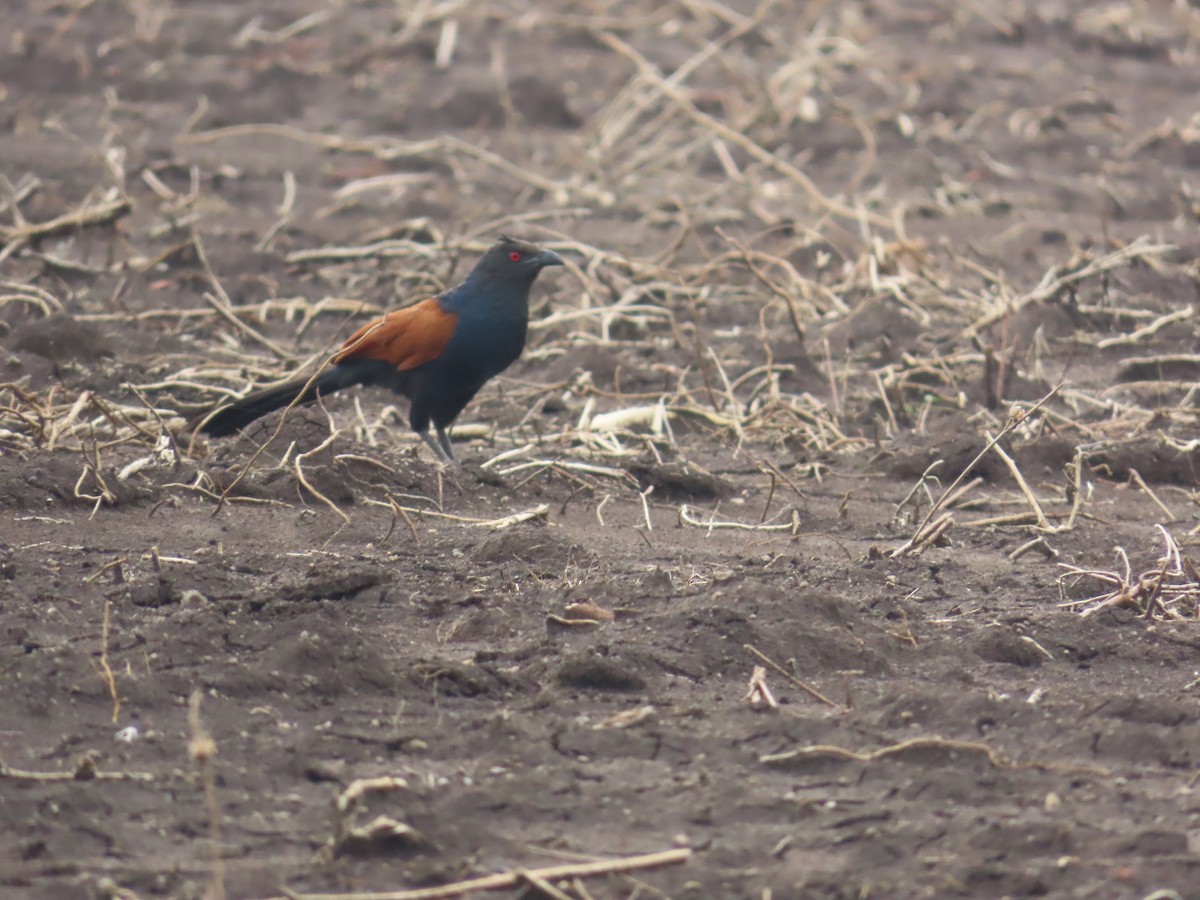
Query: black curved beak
<point x="548" y="258"/>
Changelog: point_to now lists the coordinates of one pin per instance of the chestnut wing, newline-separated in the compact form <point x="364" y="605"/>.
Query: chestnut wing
<point x="404" y="338"/>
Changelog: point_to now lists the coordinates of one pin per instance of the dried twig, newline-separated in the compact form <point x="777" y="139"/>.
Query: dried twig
<point x="99" y="213"/>
<point x="1168" y="590"/>
<point x="1053" y="282"/>
<point x="918" y="745"/>
<point x="202" y="748"/>
<point x="221" y="303"/>
<point x="85" y="770"/>
<point x="513" y="879"/>
<point x="812" y="692"/>
<point x="651" y="73"/>
<point x="922" y="536"/>
<point x="713" y="524"/>
<point x="109" y="679"/>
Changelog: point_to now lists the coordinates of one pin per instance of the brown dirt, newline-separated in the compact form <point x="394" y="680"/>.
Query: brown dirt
<point x="982" y="740"/>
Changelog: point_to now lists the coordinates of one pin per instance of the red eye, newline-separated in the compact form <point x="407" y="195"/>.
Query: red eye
<point x="515" y="256"/>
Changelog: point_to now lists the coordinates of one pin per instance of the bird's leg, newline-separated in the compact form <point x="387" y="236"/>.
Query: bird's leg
<point x="444" y="440"/>
<point x="442" y="455"/>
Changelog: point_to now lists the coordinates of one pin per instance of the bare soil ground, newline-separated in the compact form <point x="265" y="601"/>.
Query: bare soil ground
<point x="818" y="254"/>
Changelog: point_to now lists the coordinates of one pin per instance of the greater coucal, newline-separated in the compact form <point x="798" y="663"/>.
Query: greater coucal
<point x="438" y="353"/>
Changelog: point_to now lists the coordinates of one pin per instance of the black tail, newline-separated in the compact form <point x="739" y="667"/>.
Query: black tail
<point x="254" y="406"/>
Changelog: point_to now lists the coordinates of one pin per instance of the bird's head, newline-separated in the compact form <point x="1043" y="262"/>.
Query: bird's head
<point x="510" y="261"/>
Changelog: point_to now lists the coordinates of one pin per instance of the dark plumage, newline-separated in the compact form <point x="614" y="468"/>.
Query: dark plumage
<point x="438" y="353"/>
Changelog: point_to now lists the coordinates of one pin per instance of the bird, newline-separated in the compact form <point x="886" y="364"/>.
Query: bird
<point x="438" y="353"/>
